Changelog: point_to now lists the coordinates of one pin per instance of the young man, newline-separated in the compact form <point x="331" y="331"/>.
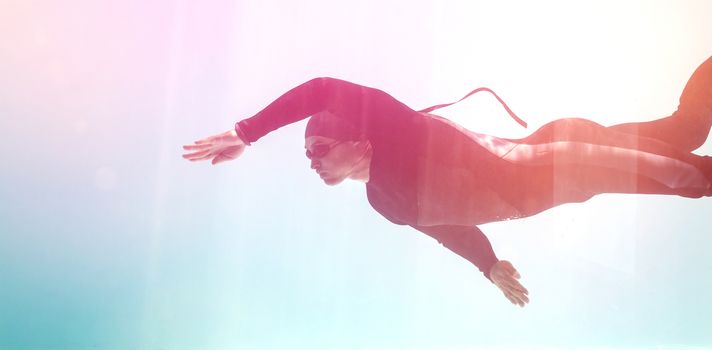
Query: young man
<point x="443" y="180"/>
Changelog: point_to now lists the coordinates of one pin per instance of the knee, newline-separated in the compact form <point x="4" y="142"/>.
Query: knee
<point x="694" y="127"/>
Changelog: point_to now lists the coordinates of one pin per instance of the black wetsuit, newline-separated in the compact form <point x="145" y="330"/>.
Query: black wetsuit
<point x="443" y="180"/>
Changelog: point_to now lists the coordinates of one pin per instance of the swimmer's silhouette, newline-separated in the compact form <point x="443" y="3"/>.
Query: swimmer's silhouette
<point x="443" y="180"/>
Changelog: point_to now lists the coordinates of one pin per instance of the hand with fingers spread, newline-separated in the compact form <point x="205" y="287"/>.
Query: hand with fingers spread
<point x="505" y="276"/>
<point x="221" y="147"/>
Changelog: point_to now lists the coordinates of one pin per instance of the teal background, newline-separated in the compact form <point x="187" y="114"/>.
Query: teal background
<point x="110" y="240"/>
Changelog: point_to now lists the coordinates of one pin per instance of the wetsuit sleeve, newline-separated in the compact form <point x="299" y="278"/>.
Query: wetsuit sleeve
<point x="359" y="104"/>
<point x="466" y="241"/>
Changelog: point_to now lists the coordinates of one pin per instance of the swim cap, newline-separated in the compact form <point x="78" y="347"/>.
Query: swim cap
<point x="328" y="125"/>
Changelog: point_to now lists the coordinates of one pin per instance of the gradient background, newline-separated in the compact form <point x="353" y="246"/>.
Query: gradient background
<point x="110" y="240"/>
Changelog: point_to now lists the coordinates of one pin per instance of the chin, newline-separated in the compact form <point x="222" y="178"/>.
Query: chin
<point x="332" y="181"/>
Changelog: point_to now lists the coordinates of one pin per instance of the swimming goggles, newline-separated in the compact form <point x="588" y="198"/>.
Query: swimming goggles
<point x="320" y="150"/>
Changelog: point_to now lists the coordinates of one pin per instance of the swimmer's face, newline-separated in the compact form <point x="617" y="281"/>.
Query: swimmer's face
<point x="333" y="160"/>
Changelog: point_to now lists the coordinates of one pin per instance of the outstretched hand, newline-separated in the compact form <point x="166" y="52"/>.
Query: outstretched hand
<point x="505" y="276"/>
<point x="221" y="147"/>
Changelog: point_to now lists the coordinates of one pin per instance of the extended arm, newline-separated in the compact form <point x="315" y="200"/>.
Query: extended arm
<point x="466" y="241"/>
<point x="367" y="109"/>
<point x="470" y="243"/>
<point x="359" y="104"/>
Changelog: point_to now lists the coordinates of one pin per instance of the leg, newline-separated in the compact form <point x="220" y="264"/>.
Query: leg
<point x="689" y="126"/>
<point x="578" y="158"/>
